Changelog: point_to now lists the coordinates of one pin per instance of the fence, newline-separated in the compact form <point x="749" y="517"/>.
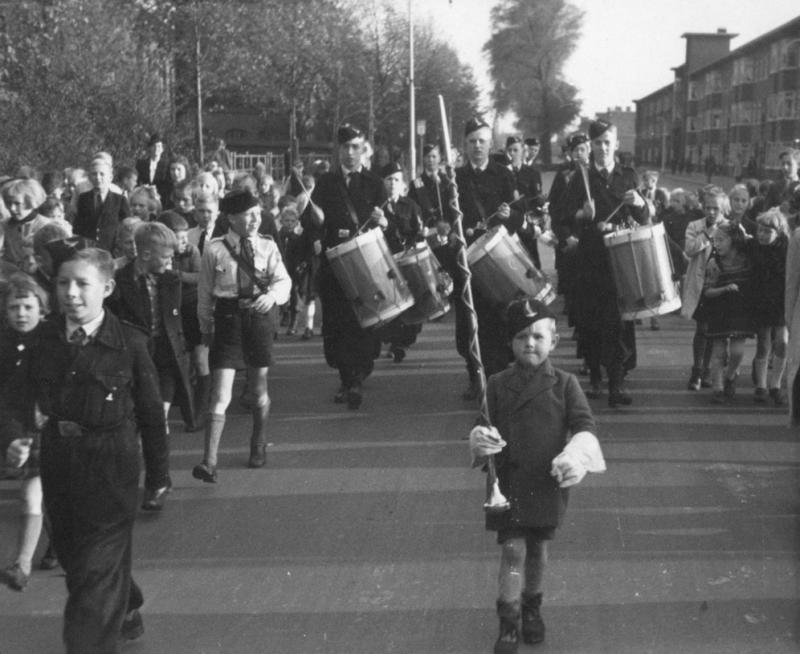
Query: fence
<point x="274" y="163"/>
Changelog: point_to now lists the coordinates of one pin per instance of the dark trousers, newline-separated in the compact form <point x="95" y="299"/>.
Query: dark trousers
<point x="493" y="338"/>
<point x="90" y="493"/>
<point x="349" y="348"/>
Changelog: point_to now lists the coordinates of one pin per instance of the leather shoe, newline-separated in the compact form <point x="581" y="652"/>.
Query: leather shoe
<point x="132" y="626"/>
<point x="594" y="391"/>
<point x="205" y="472"/>
<point x="618" y="398"/>
<point x="258" y="457"/>
<point x="154" y="499"/>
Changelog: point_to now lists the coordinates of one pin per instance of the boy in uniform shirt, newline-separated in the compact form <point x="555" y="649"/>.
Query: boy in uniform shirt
<point x="242" y="282"/>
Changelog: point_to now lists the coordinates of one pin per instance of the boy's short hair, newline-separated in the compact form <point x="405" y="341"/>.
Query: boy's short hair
<point x="103" y="158"/>
<point x="149" y="192"/>
<point x="775" y="219"/>
<point x="20" y="284"/>
<point x="155" y="234"/>
<point x="204" y="196"/>
<point x="794" y="153"/>
<point x="653" y="174"/>
<point x="286" y="200"/>
<point x="49" y="207"/>
<point x="174" y="221"/>
<point x="128" y="226"/>
<point x="96" y="257"/>
<point x="123" y="172"/>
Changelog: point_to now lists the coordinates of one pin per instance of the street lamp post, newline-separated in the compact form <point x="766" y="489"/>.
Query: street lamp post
<point x="412" y="118"/>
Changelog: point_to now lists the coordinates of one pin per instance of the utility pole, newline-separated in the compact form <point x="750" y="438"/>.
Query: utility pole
<point x="412" y="112"/>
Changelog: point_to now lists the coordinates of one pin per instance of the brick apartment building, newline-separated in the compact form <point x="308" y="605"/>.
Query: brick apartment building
<point x="735" y="110"/>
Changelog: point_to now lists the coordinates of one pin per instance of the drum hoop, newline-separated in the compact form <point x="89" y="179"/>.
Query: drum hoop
<point x="485" y="243"/>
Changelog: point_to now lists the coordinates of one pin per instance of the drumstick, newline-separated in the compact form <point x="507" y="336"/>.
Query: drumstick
<point x="585" y="177"/>
<point x="613" y="213"/>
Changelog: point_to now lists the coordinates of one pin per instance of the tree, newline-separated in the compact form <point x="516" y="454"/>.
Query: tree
<point x="530" y="43"/>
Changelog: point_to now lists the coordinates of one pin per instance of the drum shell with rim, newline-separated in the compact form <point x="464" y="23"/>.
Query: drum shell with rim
<point x="503" y="271"/>
<point x="642" y="271"/>
<point x="370" y="278"/>
<point x="428" y="283"/>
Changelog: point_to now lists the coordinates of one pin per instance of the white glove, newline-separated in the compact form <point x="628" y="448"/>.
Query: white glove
<point x="483" y="442"/>
<point x="18" y="452"/>
<point x="581" y="455"/>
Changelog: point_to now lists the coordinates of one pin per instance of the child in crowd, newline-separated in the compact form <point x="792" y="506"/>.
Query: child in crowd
<point x="183" y="202"/>
<point x="769" y="283"/>
<point x="148" y="294"/>
<point x="125" y="243"/>
<point x="25" y="305"/>
<point x="145" y="203"/>
<point x="89" y="457"/>
<point x="697" y="248"/>
<point x="728" y="307"/>
<point x="676" y="219"/>
<point x="22" y="197"/>
<point x="739" y="199"/>
<point x="544" y="442"/>
<point x="53" y="209"/>
<point x="242" y="282"/>
<point x="290" y="243"/>
<point x="127" y="179"/>
<point x="44" y="273"/>
<point x="187" y="264"/>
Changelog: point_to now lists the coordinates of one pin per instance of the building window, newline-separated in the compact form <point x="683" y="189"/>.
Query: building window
<point x="743" y="70"/>
<point x="713" y="81"/>
<point x="790" y="53"/>
<point x="695" y="90"/>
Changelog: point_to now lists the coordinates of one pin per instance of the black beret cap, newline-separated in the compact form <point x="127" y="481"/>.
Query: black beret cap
<point x="598" y="127"/>
<point x="511" y="140"/>
<point x="473" y="124"/>
<point x="391" y="169"/>
<point x="154" y="138"/>
<point x="348" y="132"/>
<point x="238" y="202"/>
<point x="428" y="148"/>
<point x="576" y="139"/>
<point x="521" y="313"/>
<point x="64" y="249"/>
<point x="532" y="141"/>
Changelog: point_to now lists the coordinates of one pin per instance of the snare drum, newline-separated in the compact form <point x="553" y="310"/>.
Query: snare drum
<point x="503" y="271"/>
<point x="367" y="273"/>
<point x="642" y="271"/>
<point x="428" y="283"/>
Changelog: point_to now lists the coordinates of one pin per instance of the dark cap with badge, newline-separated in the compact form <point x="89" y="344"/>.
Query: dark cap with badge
<point x="428" y="148"/>
<point x="598" y="128"/>
<point x="155" y="137"/>
<point x="238" y="201"/>
<point x="577" y="139"/>
<point x="391" y="169"/>
<point x="511" y="140"/>
<point x="63" y="249"/>
<point x="532" y="142"/>
<point x="348" y="132"/>
<point x="522" y="313"/>
<point x="473" y="124"/>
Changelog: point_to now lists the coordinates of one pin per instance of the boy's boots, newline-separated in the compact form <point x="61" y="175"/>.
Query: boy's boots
<point x="258" y="440"/>
<point x="508" y="639"/>
<point x="532" y="624"/>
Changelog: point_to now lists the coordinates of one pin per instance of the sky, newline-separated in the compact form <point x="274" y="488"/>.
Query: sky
<point x="628" y="47"/>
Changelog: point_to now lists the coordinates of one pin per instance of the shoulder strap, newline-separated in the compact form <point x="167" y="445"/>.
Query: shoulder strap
<point x="348" y="202"/>
<point x="263" y="284"/>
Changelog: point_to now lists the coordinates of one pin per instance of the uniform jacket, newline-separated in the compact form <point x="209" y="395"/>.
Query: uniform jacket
<point x="432" y="194"/>
<point x="331" y="194"/>
<point x="219" y="274"/>
<point x="480" y="193"/>
<point x="161" y="178"/>
<point x="101" y="224"/>
<point x="535" y="411"/>
<point x="404" y="225"/>
<point x="109" y="387"/>
<point x="528" y="183"/>
<point x="562" y="224"/>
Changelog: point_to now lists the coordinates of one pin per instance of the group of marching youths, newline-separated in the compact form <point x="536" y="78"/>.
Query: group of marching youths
<point x="124" y="294"/>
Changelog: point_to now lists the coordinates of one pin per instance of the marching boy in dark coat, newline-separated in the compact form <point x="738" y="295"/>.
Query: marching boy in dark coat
<point x="148" y="295"/>
<point x="95" y="383"/>
<point x="549" y="445"/>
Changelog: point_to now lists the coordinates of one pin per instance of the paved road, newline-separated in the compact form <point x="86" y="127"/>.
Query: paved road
<point x="365" y="532"/>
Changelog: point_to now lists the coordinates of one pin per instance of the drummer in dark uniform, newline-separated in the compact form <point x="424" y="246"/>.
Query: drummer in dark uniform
<point x="607" y="340"/>
<point x="485" y="191"/>
<point x="403" y="230"/>
<point x="532" y="146"/>
<point x="242" y="283"/>
<point x="343" y="201"/>
<point x="530" y="200"/>
<point x="562" y="223"/>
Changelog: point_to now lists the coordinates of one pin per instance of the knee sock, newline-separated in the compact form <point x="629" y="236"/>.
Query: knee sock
<point x="776" y="373"/>
<point x="260" y="415"/>
<point x="310" y="311"/>
<point x="535" y="562"/>
<point x="760" y="371"/>
<point x="30" y="529"/>
<point x="214" y="427"/>
<point x="510" y="577"/>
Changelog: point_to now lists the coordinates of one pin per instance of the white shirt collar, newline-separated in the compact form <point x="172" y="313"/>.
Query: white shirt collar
<point x="90" y="328"/>
<point x="346" y="172"/>
<point x="480" y="168"/>
<point x="609" y="169"/>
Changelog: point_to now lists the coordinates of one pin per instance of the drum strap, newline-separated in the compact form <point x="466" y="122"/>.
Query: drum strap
<point x="473" y="191"/>
<point x="349" y="203"/>
<point x="249" y="268"/>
